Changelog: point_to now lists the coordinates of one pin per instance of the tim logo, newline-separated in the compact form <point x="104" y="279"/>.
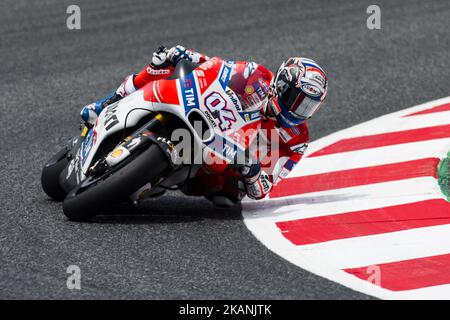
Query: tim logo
<point x="189" y="92"/>
<point x="187" y="83"/>
<point x="217" y="105"/>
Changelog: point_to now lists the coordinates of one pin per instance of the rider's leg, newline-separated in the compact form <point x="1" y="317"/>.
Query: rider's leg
<point x="223" y="190"/>
<point x="89" y="113"/>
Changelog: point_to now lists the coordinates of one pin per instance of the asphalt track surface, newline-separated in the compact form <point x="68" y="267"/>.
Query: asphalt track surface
<point x="178" y="247"/>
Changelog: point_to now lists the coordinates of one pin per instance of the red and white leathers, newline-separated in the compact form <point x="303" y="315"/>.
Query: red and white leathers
<point x="279" y="149"/>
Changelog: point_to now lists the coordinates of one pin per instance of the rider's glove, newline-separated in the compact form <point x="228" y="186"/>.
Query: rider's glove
<point x="175" y="54"/>
<point x="159" y="59"/>
<point x="257" y="182"/>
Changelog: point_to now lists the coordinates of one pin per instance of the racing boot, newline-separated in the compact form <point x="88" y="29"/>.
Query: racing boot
<point x="89" y="113"/>
<point x="222" y="202"/>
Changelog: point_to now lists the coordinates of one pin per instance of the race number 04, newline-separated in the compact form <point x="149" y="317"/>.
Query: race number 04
<point x="217" y="105"/>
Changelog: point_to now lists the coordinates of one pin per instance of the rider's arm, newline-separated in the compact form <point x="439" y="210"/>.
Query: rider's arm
<point x="162" y="65"/>
<point x="291" y="152"/>
<point x="258" y="183"/>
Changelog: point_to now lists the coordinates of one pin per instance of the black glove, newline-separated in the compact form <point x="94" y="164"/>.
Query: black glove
<point x="159" y="59"/>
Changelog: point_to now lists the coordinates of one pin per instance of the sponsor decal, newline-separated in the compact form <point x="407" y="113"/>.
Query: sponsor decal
<point x="255" y="115"/>
<point x="265" y="184"/>
<point x="225" y="76"/>
<point x="318" y="78"/>
<point x="249" y="89"/>
<point x="210" y="118"/>
<point x="217" y="105"/>
<point x="265" y="86"/>
<point x="202" y="82"/>
<point x="131" y="144"/>
<point x="283" y="173"/>
<point x="199" y="73"/>
<point x="250" y="67"/>
<point x="167" y="142"/>
<point x="285" y="136"/>
<point x="157" y="72"/>
<point x="226" y="148"/>
<point x="260" y="91"/>
<point x="88" y="142"/>
<point x="209" y="64"/>
<point x="311" y="90"/>
<point x="250" y="116"/>
<point x="234" y="99"/>
<point x="299" y="148"/>
<point x="236" y="137"/>
<point x="189" y="92"/>
<point x="110" y="117"/>
<point x="117" y="153"/>
<point x="295" y="131"/>
<point x="74" y="166"/>
<point x="229" y="151"/>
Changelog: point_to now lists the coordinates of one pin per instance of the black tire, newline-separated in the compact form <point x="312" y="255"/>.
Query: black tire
<point x="117" y="187"/>
<point x="50" y="175"/>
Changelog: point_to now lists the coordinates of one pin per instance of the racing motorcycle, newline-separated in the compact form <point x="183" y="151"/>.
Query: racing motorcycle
<point x="129" y="153"/>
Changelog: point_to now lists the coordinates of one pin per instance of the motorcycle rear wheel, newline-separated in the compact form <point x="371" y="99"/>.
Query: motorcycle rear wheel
<point x="84" y="204"/>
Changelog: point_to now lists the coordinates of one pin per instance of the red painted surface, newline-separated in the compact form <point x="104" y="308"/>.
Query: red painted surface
<point x="356" y="177"/>
<point x="409" y="274"/>
<point x="441" y="108"/>
<point x="385" y="139"/>
<point x="367" y="222"/>
<point x="165" y="90"/>
<point x="400" y="275"/>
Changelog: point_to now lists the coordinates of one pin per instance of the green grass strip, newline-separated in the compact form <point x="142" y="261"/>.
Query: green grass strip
<point x="444" y="176"/>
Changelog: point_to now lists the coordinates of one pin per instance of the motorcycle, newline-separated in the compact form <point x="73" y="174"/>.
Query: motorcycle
<point x="130" y="153"/>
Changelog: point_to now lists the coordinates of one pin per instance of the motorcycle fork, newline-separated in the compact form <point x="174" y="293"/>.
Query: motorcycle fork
<point x="138" y="139"/>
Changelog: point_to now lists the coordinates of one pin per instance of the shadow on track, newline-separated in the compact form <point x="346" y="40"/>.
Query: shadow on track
<point x="168" y="209"/>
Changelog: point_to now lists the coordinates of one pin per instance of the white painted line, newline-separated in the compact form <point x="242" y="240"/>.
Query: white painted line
<point x="344" y="200"/>
<point x="386" y="121"/>
<point x="272" y="239"/>
<point x="373" y="157"/>
<point x="381" y="248"/>
<point x="430" y="293"/>
<point x="401" y="124"/>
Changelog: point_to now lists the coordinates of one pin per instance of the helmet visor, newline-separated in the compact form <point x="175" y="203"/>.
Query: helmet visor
<point x="306" y="108"/>
<point x="299" y="104"/>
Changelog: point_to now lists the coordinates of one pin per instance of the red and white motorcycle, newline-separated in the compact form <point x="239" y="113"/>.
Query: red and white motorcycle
<point x="130" y="152"/>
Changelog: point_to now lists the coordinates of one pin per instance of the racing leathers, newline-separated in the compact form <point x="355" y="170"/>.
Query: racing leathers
<point x="278" y="150"/>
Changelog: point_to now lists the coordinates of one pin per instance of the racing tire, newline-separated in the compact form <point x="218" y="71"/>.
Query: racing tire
<point x="116" y="187"/>
<point x="50" y="175"/>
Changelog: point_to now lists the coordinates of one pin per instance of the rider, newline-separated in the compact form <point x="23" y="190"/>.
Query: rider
<point x="294" y="94"/>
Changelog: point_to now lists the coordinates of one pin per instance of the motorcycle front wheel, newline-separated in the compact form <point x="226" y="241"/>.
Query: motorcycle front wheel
<point x="85" y="201"/>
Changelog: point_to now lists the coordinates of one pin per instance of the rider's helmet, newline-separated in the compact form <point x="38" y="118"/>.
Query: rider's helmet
<point x="298" y="90"/>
